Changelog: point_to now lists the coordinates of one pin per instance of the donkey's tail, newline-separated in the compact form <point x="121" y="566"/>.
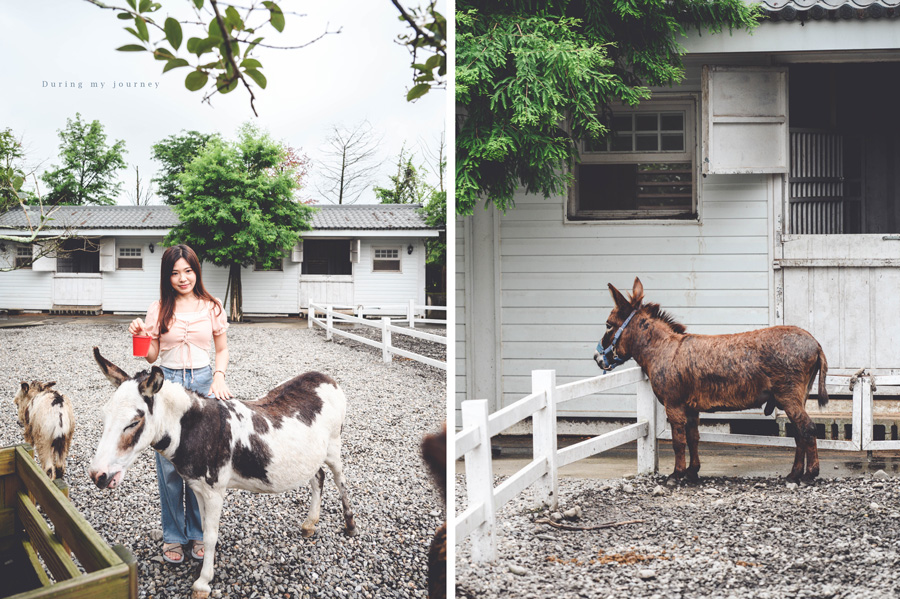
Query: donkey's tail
<point x="823" y="371"/>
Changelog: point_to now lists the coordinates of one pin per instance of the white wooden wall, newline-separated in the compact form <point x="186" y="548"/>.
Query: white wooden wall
<point x="374" y="288"/>
<point x="461" y="328"/>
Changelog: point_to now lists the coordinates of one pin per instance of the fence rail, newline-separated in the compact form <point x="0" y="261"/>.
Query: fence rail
<point x="385" y="325"/>
<point x="473" y="441"/>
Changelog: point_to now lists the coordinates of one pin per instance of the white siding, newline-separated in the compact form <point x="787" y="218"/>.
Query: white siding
<point x="271" y="292"/>
<point x="390" y="288"/>
<point x="712" y="275"/>
<point x="460" y="311"/>
<point x="23" y="289"/>
<point x="134" y="290"/>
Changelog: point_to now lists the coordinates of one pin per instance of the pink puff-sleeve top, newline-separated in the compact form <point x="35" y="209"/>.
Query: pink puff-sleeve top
<point x="187" y="342"/>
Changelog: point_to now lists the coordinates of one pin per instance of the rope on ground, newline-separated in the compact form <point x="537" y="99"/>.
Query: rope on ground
<point x="597" y="527"/>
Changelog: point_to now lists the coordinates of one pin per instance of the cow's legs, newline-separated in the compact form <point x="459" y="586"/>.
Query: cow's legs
<point x="333" y="460"/>
<point x="692" y="432"/>
<point x="210" y="502"/>
<point x="316" y="483"/>
<point x="678" y="420"/>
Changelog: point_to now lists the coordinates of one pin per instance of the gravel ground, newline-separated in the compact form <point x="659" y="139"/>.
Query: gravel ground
<point x="726" y="538"/>
<point x="260" y="551"/>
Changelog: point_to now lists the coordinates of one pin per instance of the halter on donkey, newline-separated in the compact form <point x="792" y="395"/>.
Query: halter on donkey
<point x="690" y="374"/>
<point x="271" y="445"/>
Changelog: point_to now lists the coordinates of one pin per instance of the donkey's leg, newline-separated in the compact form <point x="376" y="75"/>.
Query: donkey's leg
<point x="316" y="483"/>
<point x="210" y="502"/>
<point x="805" y="433"/>
<point x="692" y="430"/>
<point x="678" y="419"/>
<point x="333" y="460"/>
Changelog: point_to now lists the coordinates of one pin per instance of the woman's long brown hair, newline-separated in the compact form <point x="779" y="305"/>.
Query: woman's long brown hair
<point x="167" y="293"/>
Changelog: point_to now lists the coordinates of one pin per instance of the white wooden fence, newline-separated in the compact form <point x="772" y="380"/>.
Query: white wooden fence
<point x="474" y="443"/>
<point x="386" y="325"/>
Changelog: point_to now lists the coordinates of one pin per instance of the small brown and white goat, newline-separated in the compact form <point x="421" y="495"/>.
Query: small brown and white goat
<point x="48" y="419"/>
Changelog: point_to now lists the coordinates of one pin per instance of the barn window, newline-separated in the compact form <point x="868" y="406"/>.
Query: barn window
<point x="23" y="256"/>
<point x="79" y="255"/>
<point x="645" y="169"/>
<point x="386" y="260"/>
<point x="326" y="257"/>
<point x="130" y="258"/>
<point x="277" y="265"/>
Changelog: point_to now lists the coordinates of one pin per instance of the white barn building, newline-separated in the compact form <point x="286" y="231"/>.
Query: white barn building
<point x="366" y="254"/>
<point x="763" y="190"/>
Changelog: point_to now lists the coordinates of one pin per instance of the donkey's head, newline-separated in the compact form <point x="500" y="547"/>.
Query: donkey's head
<point x="26" y="394"/>
<point x="612" y="351"/>
<point x="127" y="421"/>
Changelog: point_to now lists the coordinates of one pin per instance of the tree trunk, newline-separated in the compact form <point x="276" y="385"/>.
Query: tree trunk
<point x="234" y="283"/>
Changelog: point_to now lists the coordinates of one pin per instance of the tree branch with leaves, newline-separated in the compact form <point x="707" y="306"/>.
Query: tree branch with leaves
<point x="230" y="33"/>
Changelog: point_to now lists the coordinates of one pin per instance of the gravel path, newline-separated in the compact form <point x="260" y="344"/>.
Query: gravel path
<point x="260" y="552"/>
<point x="729" y="538"/>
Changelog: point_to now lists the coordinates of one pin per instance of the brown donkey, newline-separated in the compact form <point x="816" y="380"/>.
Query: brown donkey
<point x="708" y="373"/>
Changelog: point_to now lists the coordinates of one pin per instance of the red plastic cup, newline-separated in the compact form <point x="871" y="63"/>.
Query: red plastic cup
<point x="140" y="345"/>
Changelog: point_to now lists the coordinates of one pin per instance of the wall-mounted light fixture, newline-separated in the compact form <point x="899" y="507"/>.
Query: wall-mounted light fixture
<point x="409" y="249"/>
<point x="151" y="248"/>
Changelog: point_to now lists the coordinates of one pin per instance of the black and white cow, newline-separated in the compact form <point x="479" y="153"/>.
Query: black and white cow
<point x="271" y="445"/>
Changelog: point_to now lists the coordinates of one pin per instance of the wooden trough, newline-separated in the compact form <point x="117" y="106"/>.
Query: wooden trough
<point x="26" y="538"/>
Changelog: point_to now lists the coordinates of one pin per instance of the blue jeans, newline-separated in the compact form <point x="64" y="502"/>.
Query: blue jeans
<point x="180" y="512"/>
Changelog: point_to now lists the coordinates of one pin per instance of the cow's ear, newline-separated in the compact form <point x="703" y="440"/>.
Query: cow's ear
<point x="112" y="372"/>
<point x="637" y="294"/>
<point x="617" y="296"/>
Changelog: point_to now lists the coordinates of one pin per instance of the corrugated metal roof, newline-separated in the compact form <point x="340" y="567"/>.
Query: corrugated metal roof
<point x="804" y="10"/>
<point x="362" y="216"/>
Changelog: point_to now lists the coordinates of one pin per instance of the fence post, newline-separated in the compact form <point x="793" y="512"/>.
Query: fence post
<point x="647" y="447"/>
<point x="412" y="314"/>
<point x="480" y="480"/>
<point x="385" y="339"/>
<point x="310" y="314"/>
<point x="329" y="322"/>
<point x="546" y="488"/>
<point x="359" y="311"/>
<point x="868" y="417"/>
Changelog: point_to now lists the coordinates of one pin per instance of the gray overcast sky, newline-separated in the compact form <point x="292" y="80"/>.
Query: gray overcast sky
<point x="358" y="74"/>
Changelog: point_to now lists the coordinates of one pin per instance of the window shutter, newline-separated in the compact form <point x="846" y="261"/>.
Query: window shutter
<point x="107" y="254"/>
<point x="745" y="120"/>
<point x="46" y="263"/>
<point x="354" y="251"/>
<point x="297" y="252"/>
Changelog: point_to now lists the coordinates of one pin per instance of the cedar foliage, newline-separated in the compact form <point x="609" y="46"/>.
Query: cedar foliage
<point x="533" y="77"/>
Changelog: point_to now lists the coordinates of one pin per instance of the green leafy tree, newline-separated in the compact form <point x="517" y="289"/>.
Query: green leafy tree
<point x="238" y="207"/>
<point x="534" y="78"/>
<point x="88" y="174"/>
<point x="407" y="185"/>
<point x="12" y="169"/>
<point x="175" y="152"/>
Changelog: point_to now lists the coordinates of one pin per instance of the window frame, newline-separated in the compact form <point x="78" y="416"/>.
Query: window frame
<point x="119" y="257"/>
<point x="28" y="256"/>
<point x="395" y="248"/>
<point x="682" y="103"/>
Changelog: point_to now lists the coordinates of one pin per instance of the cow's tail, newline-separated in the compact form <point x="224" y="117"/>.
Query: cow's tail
<point x="822" y="365"/>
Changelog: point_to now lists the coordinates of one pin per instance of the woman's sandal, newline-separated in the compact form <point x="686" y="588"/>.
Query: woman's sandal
<point x="175" y="548"/>
<point x="198" y="550"/>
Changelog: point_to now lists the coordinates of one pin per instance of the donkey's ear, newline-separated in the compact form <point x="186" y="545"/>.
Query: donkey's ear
<point x="153" y="383"/>
<point x="618" y="298"/>
<point x="637" y="293"/>
<point x="112" y="372"/>
<point x="25" y="387"/>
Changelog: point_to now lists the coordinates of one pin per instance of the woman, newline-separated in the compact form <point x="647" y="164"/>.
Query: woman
<point x="182" y="323"/>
